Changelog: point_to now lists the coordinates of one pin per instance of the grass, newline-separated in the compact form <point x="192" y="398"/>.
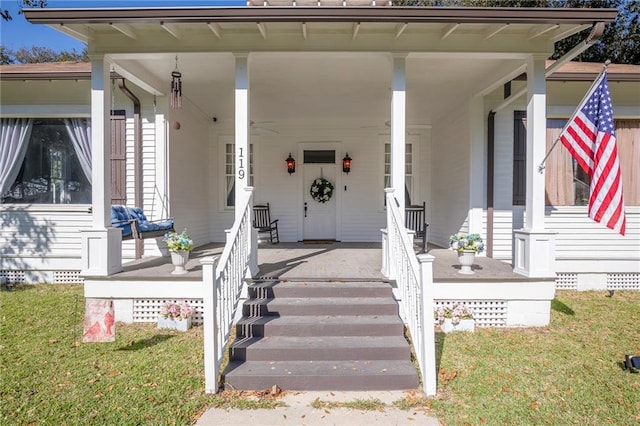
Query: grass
<point x="568" y="373"/>
<point x="147" y="376"/>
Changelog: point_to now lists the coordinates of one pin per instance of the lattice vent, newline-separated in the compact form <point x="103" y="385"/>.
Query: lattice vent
<point x="567" y="282"/>
<point x="487" y="313"/>
<point x="67" y="277"/>
<point x="13" y="276"/>
<point x="147" y="310"/>
<point x="623" y="281"/>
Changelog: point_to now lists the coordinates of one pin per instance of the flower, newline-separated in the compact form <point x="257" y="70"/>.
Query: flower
<point x="462" y="241"/>
<point x="177" y="311"/>
<point x="457" y="312"/>
<point x="177" y="242"/>
<point x="321" y="190"/>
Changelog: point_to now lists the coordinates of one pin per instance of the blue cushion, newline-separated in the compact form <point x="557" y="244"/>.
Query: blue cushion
<point x="120" y="219"/>
<point x="121" y="215"/>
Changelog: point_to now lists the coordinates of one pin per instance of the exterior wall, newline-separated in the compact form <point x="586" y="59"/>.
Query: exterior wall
<point x="583" y="247"/>
<point x="41" y="239"/>
<point x="190" y="172"/>
<point x="361" y="212"/>
<point x="450" y="172"/>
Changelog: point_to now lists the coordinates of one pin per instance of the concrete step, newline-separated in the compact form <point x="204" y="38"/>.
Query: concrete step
<point x="322" y="375"/>
<point x="324" y="325"/>
<point x="269" y="290"/>
<point x="315" y="306"/>
<point x="332" y="348"/>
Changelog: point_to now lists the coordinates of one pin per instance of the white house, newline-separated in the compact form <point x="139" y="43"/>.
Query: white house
<point x="430" y="102"/>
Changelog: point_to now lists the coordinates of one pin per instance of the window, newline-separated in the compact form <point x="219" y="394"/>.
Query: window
<point x="566" y="184"/>
<point x="230" y="172"/>
<point x="408" y="183"/>
<point x="50" y="172"/>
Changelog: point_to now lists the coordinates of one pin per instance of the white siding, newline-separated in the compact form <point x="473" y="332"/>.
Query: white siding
<point x="450" y="171"/>
<point x="190" y="172"/>
<point x="42" y="237"/>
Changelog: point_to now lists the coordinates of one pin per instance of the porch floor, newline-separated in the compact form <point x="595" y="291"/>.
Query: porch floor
<point x="299" y="261"/>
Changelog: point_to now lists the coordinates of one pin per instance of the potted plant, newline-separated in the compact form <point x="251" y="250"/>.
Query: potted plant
<point x="176" y="316"/>
<point x="179" y="246"/>
<point x="467" y="245"/>
<point x="455" y="317"/>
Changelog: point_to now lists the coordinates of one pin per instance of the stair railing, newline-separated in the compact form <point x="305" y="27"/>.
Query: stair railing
<point x="413" y="275"/>
<point x="222" y="288"/>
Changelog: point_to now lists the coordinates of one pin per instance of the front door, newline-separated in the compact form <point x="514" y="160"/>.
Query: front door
<point x="319" y="219"/>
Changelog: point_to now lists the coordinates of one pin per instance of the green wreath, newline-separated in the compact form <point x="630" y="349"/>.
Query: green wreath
<point x="321" y="190"/>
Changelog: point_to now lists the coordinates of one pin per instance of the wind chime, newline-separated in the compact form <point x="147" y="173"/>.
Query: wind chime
<point x="176" y="87"/>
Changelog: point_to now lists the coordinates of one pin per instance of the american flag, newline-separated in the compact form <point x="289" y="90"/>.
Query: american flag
<point x="590" y="137"/>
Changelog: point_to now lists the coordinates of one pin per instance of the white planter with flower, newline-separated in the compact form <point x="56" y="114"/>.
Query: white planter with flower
<point x="179" y="246"/>
<point x="176" y="316"/>
<point x="467" y="246"/>
<point x="457" y="317"/>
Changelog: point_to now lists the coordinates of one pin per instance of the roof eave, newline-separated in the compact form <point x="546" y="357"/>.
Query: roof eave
<point x="322" y="14"/>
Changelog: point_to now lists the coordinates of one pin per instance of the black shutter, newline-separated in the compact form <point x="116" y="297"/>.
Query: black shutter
<point x="519" y="157"/>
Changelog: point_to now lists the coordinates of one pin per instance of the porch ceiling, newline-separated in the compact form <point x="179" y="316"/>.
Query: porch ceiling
<point x="322" y="63"/>
<point x="354" y="90"/>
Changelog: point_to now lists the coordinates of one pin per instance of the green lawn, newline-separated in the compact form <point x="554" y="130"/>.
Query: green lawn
<point x="568" y="373"/>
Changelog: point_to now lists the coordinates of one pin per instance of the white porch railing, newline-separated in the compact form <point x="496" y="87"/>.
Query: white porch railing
<point x="414" y="279"/>
<point x="222" y="289"/>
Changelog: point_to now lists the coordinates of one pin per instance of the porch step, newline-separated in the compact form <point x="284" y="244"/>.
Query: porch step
<point x="320" y="336"/>
<point x="333" y="348"/>
<point x="324" y="325"/>
<point x="322" y="375"/>
<point x="320" y="306"/>
<point x="277" y="289"/>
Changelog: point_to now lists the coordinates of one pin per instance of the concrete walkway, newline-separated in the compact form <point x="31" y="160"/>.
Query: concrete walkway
<point x="299" y="412"/>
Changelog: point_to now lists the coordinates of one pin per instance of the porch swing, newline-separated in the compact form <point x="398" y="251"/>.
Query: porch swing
<point x="135" y="225"/>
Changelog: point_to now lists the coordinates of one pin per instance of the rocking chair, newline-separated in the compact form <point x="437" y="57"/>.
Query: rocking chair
<point x="263" y="223"/>
<point x="415" y="217"/>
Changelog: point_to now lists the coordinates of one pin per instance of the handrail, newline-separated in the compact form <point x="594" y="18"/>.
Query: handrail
<point x="222" y="289"/>
<point x="414" y="280"/>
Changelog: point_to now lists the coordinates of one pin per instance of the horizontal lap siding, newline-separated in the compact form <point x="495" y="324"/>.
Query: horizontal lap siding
<point x="27" y="233"/>
<point x="580" y="237"/>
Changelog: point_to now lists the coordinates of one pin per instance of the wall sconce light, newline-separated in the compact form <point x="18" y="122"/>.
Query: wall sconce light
<point x="346" y="164"/>
<point x="291" y="164"/>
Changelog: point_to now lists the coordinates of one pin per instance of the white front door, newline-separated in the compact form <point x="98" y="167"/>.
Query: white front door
<point x="319" y="219"/>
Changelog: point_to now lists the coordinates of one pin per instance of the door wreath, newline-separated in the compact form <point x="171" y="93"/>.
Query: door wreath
<point x="321" y="190"/>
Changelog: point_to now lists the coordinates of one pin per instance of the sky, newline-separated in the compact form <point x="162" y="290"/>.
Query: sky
<point x="19" y="32"/>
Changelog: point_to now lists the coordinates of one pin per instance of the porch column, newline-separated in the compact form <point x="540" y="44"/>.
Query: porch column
<point x="398" y="128"/>
<point x="101" y="245"/>
<point x="242" y="128"/>
<point x="534" y="246"/>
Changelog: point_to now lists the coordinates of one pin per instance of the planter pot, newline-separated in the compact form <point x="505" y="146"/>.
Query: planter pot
<point x="464" y="325"/>
<point x="174" y="324"/>
<point x="179" y="260"/>
<point x="466" y="258"/>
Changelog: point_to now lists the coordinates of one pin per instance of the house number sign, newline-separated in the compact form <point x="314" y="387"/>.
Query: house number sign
<point x="241" y="158"/>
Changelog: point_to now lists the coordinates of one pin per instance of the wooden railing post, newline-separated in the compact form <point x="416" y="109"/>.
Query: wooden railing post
<point x="210" y="301"/>
<point x="428" y="350"/>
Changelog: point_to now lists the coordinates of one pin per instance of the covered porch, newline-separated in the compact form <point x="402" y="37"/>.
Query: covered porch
<point x="500" y="297"/>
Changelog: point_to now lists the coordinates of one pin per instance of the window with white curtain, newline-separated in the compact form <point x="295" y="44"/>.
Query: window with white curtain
<point x="51" y="171"/>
